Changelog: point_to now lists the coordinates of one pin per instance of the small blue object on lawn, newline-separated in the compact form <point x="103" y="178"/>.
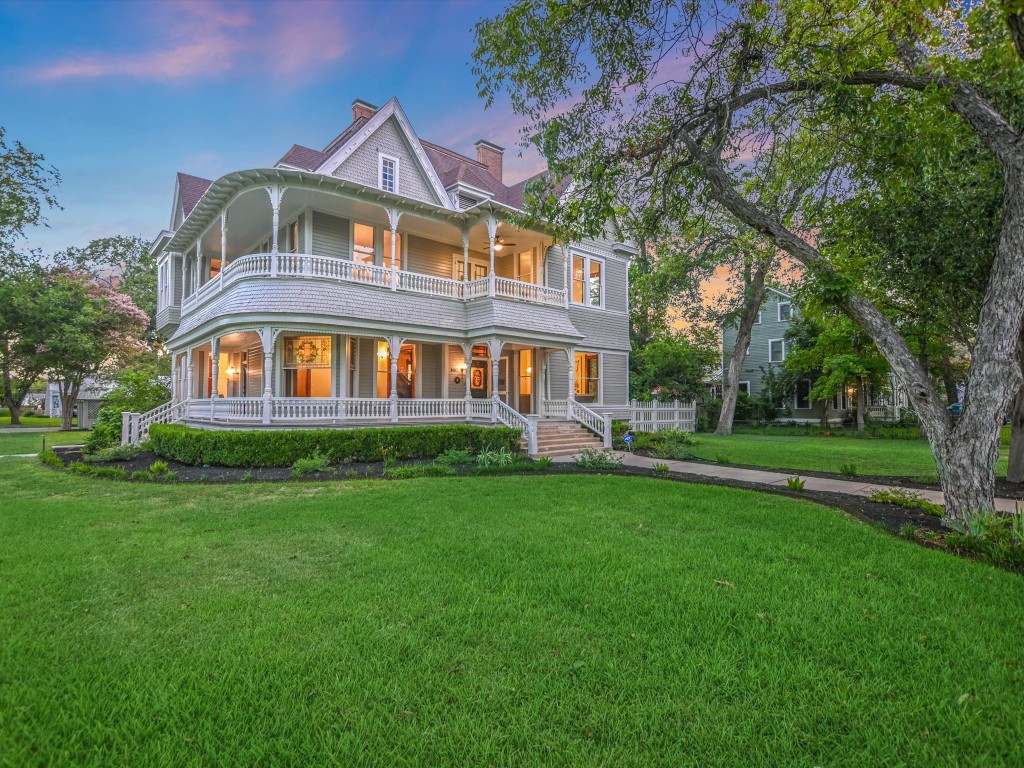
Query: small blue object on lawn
<point x="628" y="440"/>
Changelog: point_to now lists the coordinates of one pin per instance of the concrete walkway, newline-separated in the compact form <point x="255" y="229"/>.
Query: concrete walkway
<point x="767" y="477"/>
<point x="22" y="430"/>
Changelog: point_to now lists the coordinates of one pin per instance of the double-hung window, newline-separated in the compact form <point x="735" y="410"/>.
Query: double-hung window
<point x="785" y="311"/>
<point x="388" y="173"/>
<point x="776" y="350"/>
<point x="587" y="376"/>
<point x="587" y="281"/>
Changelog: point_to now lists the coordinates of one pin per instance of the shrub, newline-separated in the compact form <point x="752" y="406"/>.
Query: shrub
<point x="902" y="497"/>
<point x="137" y="389"/>
<point x="661" y="468"/>
<point x="115" y="473"/>
<point x="591" y="458"/>
<point x="269" y="448"/>
<point x="999" y="538"/>
<point x="848" y="469"/>
<point x="51" y="459"/>
<point x="908" y="531"/>
<point x="307" y="466"/>
<point x="796" y="483"/>
<point x="419" y="470"/>
<point x="158" y="468"/>
<point x="116" y="453"/>
<point x="141" y="474"/>
<point x="668" y="444"/>
<point x="455" y="457"/>
<point x="489" y="457"/>
<point x="543" y="462"/>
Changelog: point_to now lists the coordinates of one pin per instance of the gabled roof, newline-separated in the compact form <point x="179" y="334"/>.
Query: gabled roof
<point x="190" y="191"/>
<point x="453" y="168"/>
<point x="359" y="134"/>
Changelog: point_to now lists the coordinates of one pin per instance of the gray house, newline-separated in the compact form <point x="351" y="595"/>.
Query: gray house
<point x="768" y="348"/>
<point x="379" y="279"/>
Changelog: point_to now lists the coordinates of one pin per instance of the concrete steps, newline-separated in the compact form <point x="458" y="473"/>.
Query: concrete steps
<point x="564" y="438"/>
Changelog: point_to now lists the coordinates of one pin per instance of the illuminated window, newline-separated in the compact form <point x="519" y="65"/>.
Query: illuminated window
<point x="307" y="366"/>
<point x="587" y="376"/>
<point x="362" y="244"/>
<point x="587" y="281"/>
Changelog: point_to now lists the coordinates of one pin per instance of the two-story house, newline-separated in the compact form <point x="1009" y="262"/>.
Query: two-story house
<point x="378" y="280"/>
<point x="768" y="348"/>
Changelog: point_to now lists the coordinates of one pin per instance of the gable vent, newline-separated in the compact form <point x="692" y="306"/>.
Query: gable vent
<point x="465" y="201"/>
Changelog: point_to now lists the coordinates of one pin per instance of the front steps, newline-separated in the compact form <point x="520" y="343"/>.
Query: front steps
<point x="564" y="438"/>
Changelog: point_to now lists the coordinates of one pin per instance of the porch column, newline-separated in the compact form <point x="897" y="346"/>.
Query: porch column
<point x="465" y="261"/>
<point x="214" y="367"/>
<point x="223" y="244"/>
<point x="467" y="357"/>
<point x="342" y="386"/>
<point x="492" y="230"/>
<point x="267" y="337"/>
<point x="275" y="206"/>
<point x="199" y="266"/>
<point x="189" y="371"/>
<point x="394" y="350"/>
<point x="393" y="216"/>
<point x="495" y="348"/>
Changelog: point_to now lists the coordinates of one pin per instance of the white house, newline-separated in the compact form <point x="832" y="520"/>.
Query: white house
<point x="378" y="280"/>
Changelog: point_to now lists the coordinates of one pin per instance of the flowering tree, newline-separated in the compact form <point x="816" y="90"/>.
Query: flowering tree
<point x="91" y="329"/>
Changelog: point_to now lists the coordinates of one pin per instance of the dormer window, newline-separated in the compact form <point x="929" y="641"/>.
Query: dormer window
<point x="388" y="175"/>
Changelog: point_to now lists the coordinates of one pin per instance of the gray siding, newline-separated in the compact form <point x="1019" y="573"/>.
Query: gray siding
<point x="554" y="266"/>
<point x="601" y="329"/>
<point x="558" y="375"/>
<point x="456" y="357"/>
<point x="362" y="165"/>
<point x="430" y="257"/>
<point x="177" y="277"/>
<point x="615" y="375"/>
<point x="331" y="236"/>
<point x="757" y="358"/>
<point x="430" y="371"/>
<point x="367" y="367"/>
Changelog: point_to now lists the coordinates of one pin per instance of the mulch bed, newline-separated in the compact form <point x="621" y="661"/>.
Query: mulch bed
<point x="889" y="516"/>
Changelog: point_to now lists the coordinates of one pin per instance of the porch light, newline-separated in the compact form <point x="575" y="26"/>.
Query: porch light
<point x="498" y="247"/>
<point x="382" y="352"/>
<point x="232" y="371"/>
<point x="529" y="369"/>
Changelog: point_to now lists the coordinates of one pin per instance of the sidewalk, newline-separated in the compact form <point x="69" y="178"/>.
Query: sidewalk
<point x="767" y="477"/>
<point x="20" y="430"/>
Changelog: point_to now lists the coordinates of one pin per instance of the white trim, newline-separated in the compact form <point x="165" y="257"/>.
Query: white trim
<point x="381" y="157"/>
<point x="391" y="109"/>
<point x="739" y="386"/>
<point x="757" y="320"/>
<point x="783" y="359"/>
<point x="778" y="310"/>
<point x="600" y="373"/>
<point x="781" y="293"/>
<point x="457" y="262"/>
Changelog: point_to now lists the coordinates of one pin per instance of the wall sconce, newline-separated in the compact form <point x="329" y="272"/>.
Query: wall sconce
<point x="232" y="371"/>
<point x="529" y="369"/>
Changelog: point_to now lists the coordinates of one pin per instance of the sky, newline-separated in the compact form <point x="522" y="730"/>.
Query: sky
<point x="120" y="95"/>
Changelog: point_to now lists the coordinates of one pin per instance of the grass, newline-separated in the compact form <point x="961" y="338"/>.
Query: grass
<point x="550" y="620"/>
<point x="887" y="457"/>
<point x="31" y="421"/>
<point x="32" y="442"/>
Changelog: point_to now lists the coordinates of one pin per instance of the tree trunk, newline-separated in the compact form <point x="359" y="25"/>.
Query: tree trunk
<point x="68" y="397"/>
<point x="15" y="414"/>
<point x="1015" y="470"/>
<point x="824" y="414"/>
<point x="861" y="402"/>
<point x="751" y="306"/>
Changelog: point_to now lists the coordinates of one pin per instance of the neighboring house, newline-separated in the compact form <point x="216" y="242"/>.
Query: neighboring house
<point x="87" y="406"/>
<point x="379" y="279"/>
<point x="768" y="348"/>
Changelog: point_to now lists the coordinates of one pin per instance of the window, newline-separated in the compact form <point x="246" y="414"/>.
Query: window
<point x="588" y="368"/>
<point x="525" y="267"/>
<point x="293" y="237"/>
<point x="406" y="386"/>
<point x="362" y="244"/>
<point x="587" y="281"/>
<point x="307" y="366"/>
<point x="803" y="394"/>
<point x="388" y="173"/>
<point x="757" y="320"/>
<point x="744" y="387"/>
<point x="776" y="350"/>
<point x="164" y="286"/>
<point x="785" y="311"/>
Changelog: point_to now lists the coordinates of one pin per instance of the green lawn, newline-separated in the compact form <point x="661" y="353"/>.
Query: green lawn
<point x="878" y="456"/>
<point x="32" y="421"/>
<point x="489" y="621"/>
<point x="32" y="442"/>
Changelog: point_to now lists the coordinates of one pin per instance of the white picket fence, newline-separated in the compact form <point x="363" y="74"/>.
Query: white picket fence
<point x="657" y="416"/>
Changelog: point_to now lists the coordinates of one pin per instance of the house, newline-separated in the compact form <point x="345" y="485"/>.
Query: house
<point x="380" y="280"/>
<point x="87" y="406"/>
<point x="768" y="348"/>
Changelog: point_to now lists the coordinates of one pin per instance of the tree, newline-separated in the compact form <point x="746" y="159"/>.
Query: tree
<point x="25" y="190"/>
<point x="124" y="264"/>
<point x="763" y="80"/>
<point x="23" y="322"/>
<point x="91" y="329"/>
<point x="143" y="384"/>
<point x="836" y="356"/>
<point x="671" y="367"/>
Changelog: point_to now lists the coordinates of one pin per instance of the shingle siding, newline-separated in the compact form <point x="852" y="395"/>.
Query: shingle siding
<point x="362" y="166"/>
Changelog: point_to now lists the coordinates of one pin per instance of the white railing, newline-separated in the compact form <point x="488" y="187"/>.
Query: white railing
<point x="431" y="409"/>
<point x="135" y="426"/>
<point x="592" y="420"/>
<point x="536" y="294"/>
<point x="657" y="416"/>
<point x="512" y="418"/>
<point x="555" y="409"/>
<point x="344" y="270"/>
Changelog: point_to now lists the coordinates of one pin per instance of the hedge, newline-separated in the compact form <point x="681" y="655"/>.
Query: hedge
<point x="282" y="448"/>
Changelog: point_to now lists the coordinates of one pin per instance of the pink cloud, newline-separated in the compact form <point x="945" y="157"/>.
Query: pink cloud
<point x="204" y="39"/>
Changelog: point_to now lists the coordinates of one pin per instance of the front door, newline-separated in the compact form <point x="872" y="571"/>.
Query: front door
<point x="503" y="366"/>
<point x="525" y="381"/>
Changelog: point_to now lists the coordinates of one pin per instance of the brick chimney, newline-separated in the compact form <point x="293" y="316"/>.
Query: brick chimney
<point x="490" y="155"/>
<point x="362" y="108"/>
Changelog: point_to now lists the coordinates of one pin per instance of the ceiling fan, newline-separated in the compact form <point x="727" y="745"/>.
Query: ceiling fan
<point x="499" y="243"/>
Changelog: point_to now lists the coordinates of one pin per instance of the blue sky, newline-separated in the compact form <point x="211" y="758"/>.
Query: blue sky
<point x="121" y="95"/>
